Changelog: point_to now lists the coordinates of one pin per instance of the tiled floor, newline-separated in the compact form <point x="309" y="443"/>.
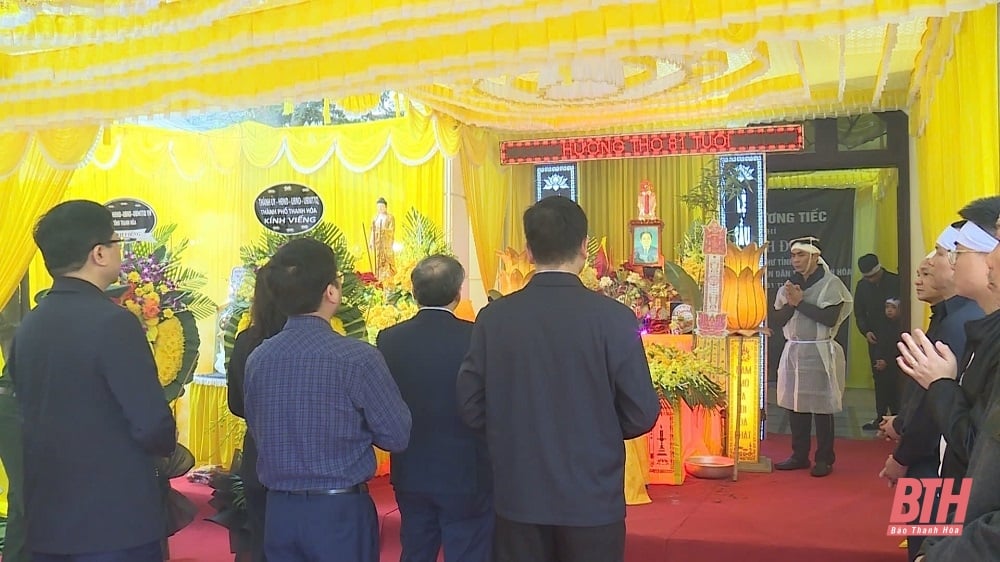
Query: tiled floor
<point x="859" y="409"/>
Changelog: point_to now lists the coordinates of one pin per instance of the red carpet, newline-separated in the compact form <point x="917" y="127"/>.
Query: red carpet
<point x="762" y="517"/>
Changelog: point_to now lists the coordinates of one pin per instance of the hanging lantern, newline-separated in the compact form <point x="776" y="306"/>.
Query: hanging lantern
<point x="743" y="297"/>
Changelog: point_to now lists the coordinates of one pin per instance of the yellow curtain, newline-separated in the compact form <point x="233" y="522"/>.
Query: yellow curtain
<point x="958" y="153"/>
<point x="206" y="184"/>
<point x="485" y="198"/>
<point x="31" y="190"/>
<point x="608" y="190"/>
<point x="215" y="433"/>
<point x="183" y="56"/>
<point x="520" y="183"/>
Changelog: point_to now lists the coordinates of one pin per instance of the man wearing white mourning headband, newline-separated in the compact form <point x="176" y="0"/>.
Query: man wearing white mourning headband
<point x="810" y="307"/>
<point x="948" y="237"/>
<point x="918" y="448"/>
<point x="975" y="239"/>
<point x="962" y="392"/>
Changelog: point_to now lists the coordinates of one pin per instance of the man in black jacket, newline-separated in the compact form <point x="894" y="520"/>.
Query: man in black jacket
<point x="958" y="389"/>
<point x="95" y="417"/>
<point x="916" y="454"/>
<point x="875" y="286"/>
<point x="443" y="480"/>
<point x="980" y="538"/>
<point x="557" y="376"/>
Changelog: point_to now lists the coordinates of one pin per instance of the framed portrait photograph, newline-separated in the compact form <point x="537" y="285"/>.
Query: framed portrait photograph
<point x="646" y="248"/>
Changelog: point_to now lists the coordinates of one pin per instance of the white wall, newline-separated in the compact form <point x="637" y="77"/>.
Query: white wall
<point x="918" y="246"/>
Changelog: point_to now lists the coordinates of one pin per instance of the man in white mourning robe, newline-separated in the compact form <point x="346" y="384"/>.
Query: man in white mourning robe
<point x="811" y="306"/>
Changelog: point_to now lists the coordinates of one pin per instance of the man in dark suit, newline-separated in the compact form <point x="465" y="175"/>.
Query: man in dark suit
<point x="443" y="480"/>
<point x="10" y="454"/>
<point x="94" y="413"/>
<point x="875" y="286"/>
<point x="557" y="376"/>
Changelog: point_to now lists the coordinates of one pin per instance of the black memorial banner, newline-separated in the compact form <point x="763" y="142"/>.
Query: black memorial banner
<point x="288" y="209"/>
<point x="133" y="219"/>
<point x="827" y="214"/>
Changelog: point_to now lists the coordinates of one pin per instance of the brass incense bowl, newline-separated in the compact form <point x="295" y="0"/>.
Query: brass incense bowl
<point x="711" y="467"/>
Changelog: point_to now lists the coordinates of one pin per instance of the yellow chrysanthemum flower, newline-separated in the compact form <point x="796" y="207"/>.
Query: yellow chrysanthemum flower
<point x="589" y="278"/>
<point x="338" y="326"/>
<point x="168" y="314"/>
<point x="133" y="307"/>
<point x="168" y="350"/>
<point x="133" y="277"/>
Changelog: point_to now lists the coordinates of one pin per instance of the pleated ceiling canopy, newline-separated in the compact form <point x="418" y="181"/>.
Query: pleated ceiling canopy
<point x="527" y="65"/>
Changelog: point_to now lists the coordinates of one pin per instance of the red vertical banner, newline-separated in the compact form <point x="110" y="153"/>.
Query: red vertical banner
<point x="666" y="460"/>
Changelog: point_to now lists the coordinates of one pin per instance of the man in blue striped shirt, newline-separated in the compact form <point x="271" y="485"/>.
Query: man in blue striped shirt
<point x="316" y="402"/>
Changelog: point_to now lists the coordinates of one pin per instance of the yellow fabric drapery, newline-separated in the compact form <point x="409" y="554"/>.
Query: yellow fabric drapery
<point x="958" y="152"/>
<point x="192" y="54"/>
<point x="47" y="160"/>
<point x="608" y="190"/>
<point x="486" y="200"/>
<point x="206" y="184"/>
<point x="215" y="433"/>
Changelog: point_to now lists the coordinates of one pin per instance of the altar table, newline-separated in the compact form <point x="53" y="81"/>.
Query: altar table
<point x="701" y="434"/>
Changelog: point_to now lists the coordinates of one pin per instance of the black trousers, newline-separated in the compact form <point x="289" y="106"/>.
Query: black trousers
<point x="524" y="542"/>
<point x="888" y="387"/>
<point x="801" y="436"/>
<point x="256" y="496"/>
<point x="15" y="549"/>
<point x="925" y="468"/>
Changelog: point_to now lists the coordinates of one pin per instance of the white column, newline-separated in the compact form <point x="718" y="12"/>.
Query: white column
<point x="918" y="246"/>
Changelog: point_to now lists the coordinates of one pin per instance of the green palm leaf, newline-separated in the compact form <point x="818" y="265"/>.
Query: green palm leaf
<point x="230" y="326"/>
<point x="684" y="284"/>
<point x="201" y="306"/>
<point x="424" y="237"/>
<point x="325" y="232"/>
<point x="354" y="322"/>
<point x="161" y="236"/>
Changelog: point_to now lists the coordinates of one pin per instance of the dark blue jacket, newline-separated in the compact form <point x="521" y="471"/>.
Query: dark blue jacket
<point x="444" y="456"/>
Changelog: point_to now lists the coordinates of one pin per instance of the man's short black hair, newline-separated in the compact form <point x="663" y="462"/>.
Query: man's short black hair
<point x="554" y="228"/>
<point x="984" y="213"/>
<point x="69" y="231"/>
<point x="299" y="274"/>
<point x="437" y="280"/>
